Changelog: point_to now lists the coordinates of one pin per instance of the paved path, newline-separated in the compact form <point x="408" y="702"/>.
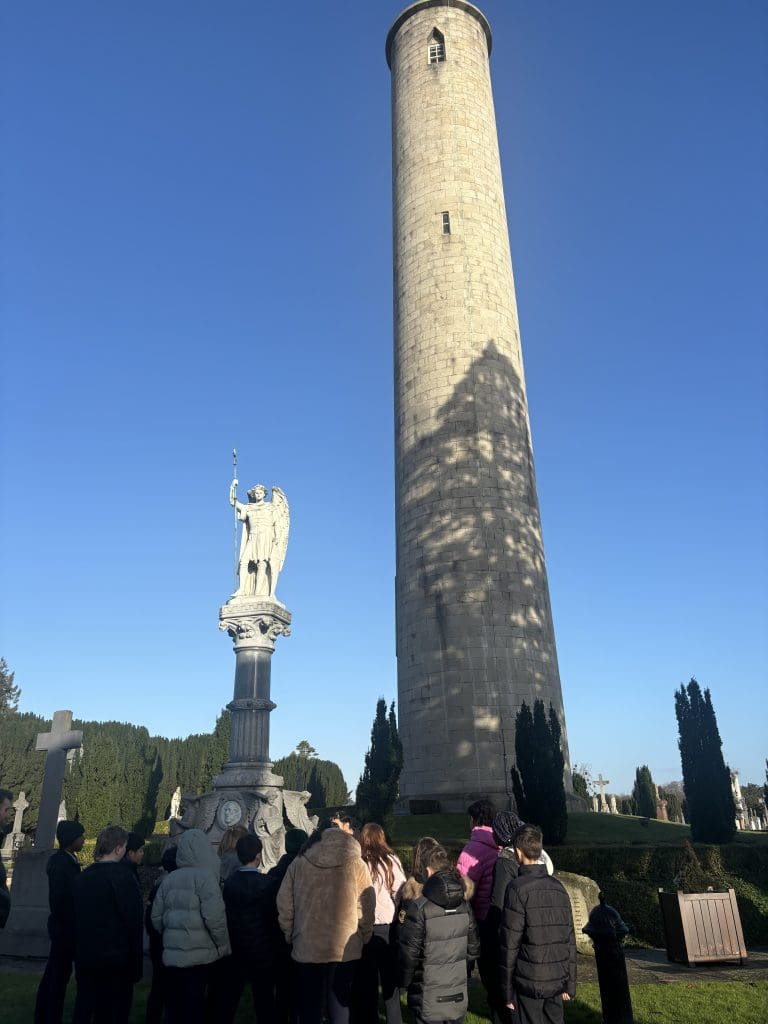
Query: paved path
<point x="650" y="966"/>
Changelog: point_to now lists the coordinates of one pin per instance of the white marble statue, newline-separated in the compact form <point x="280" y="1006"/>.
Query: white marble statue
<point x="175" y="803"/>
<point x="264" y="540"/>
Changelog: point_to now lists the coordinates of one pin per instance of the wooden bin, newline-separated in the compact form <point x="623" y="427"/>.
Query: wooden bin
<point x="702" y="927"/>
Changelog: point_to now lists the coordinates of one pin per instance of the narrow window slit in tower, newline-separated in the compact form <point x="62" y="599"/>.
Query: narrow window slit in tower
<point x="436" y="47"/>
<point x="446" y="223"/>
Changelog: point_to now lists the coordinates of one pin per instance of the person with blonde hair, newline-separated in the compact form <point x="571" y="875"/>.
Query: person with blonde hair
<point x="378" y="964"/>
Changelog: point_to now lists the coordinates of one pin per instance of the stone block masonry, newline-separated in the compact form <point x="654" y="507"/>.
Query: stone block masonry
<point x="474" y="624"/>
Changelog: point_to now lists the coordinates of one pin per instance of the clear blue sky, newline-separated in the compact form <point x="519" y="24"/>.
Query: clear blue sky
<point x="196" y="254"/>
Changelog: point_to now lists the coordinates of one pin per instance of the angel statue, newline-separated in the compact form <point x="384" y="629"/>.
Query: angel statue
<point x="263" y="542"/>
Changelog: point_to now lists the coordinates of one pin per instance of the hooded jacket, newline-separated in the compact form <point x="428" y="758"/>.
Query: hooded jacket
<point x="189" y="910"/>
<point x="437" y="939"/>
<point x="476" y="862"/>
<point x="537" y="947"/>
<point x="326" y="901"/>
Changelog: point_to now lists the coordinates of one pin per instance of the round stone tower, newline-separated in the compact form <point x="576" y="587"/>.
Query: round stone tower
<point x="474" y="625"/>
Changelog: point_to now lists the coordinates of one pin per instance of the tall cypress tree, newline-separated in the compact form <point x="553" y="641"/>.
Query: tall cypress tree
<point x="644" y="793"/>
<point x="378" y="786"/>
<point x="706" y="777"/>
<point x="537" y="778"/>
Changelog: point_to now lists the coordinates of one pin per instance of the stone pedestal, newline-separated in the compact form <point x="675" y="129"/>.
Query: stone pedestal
<point x="25" y="933"/>
<point x="248" y="792"/>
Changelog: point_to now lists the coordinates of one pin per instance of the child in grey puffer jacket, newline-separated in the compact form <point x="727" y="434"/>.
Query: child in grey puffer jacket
<point x="189" y="913"/>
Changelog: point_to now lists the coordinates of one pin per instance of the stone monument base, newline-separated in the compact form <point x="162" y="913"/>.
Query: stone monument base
<point x="265" y="810"/>
<point x="26" y="930"/>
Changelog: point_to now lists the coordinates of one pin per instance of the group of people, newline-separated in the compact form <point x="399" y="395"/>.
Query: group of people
<point x="334" y="925"/>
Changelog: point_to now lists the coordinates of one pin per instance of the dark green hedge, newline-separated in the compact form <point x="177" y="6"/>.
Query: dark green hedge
<point x="631" y="876"/>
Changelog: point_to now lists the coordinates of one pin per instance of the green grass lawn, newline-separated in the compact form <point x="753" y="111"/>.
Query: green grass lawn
<point x="584" y="829"/>
<point x="708" y="1002"/>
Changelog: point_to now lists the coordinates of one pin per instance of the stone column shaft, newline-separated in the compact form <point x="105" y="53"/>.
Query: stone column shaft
<point x="254" y="624"/>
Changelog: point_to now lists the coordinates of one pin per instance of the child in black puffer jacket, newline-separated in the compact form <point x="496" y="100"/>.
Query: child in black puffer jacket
<point x="537" y="946"/>
<point x="436" y="941"/>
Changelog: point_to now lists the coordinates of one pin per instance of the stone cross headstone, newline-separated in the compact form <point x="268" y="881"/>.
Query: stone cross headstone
<point x="601" y="783"/>
<point x="15" y="836"/>
<point x="58" y="743"/>
<point x="25" y="933"/>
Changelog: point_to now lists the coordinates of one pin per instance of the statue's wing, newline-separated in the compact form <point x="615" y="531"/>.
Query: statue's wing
<point x="282" y="519"/>
<point x="207" y="812"/>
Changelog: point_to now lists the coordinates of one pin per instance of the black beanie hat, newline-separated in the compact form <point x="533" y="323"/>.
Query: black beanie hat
<point x="294" y="840"/>
<point x="68" y="831"/>
<point x="135" y="842"/>
<point x="506" y="825"/>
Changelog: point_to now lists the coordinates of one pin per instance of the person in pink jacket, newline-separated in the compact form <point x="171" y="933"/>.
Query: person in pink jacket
<point x="478" y="857"/>
<point x="476" y="861"/>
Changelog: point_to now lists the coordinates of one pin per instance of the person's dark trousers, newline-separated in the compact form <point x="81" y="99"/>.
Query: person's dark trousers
<point x="331" y="983"/>
<point x="231" y="983"/>
<point x="377" y="967"/>
<point x="285" y="987"/>
<point x="185" y="994"/>
<point x="538" y="1011"/>
<point x="489" y="972"/>
<point x="103" y="996"/>
<point x="455" y="1020"/>
<point x="49" y="1005"/>
<point x="156" y="999"/>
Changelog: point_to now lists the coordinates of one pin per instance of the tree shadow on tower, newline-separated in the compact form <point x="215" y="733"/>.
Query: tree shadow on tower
<point x="474" y="631"/>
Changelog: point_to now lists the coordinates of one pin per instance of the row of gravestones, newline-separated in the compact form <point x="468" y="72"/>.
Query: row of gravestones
<point x="601" y="805"/>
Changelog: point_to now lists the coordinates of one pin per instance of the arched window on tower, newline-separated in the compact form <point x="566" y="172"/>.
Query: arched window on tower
<point x="436" y="47"/>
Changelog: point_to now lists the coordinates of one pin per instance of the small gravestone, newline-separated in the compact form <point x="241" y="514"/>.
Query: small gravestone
<point x="584" y="894"/>
<point x="15" y="838"/>
<point x="595" y="804"/>
<point x="614" y="808"/>
<point x="25" y="932"/>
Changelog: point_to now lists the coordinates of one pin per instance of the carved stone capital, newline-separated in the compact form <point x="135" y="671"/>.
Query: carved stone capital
<point x="255" y="623"/>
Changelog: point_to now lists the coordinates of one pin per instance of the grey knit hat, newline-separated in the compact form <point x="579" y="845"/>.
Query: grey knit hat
<point x="506" y="825"/>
